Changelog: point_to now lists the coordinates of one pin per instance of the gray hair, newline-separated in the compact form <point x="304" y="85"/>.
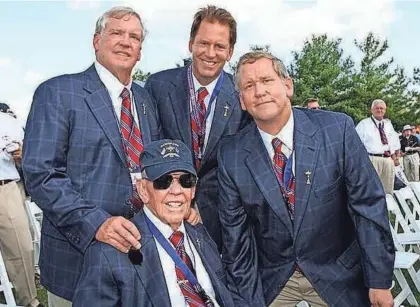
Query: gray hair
<point x="377" y="101"/>
<point x="251" y="57"/>
<point x="118" y="12"/>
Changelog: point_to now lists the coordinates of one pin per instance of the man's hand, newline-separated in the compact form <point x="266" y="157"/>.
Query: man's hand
<point x="17" y="155"/>
<point x="119" y="233"/>
<point x="381" y="298"/>
<point x="192" y="217"/>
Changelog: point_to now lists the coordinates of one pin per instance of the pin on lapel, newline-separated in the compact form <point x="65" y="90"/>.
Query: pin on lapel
<point x="226" y="107"/>
<point x="144" y="108"/>
<point x="308" y="178"/>
<point x="198" y="243"/>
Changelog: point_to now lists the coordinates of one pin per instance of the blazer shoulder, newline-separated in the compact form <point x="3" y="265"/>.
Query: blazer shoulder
<point x="167" y="75"/>
<point x="57" y="82"/>
<point x="234" y="141"/>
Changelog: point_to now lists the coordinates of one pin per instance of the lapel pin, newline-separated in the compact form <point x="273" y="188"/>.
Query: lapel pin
<point x="226" y="107"/>
<point x="198" y="243"/>
<point x="144" y="109"/>
<point x="308" y="178"/>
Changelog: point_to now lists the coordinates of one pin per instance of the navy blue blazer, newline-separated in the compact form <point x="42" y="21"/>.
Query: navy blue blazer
<point x="75" y="169"/>
<point x="340" y="237"/>
<point x="169" y="89"/>
<point x="110" y="279"/>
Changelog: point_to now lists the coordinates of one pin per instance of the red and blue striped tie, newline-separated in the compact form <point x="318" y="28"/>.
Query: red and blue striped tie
<point x="191" y="296"/>
<point x="198" y="125"/>
<point x="287" y="188"/>
<point x="132" y="140"/>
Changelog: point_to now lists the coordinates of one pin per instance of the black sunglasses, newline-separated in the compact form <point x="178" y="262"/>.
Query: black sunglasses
<point x="186" y="181"/>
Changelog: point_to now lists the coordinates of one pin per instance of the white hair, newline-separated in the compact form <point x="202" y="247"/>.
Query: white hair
<point x="377" y="101"/>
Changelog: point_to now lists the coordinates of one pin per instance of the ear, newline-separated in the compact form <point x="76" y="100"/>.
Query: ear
<point x="243" y="107"/>
<point x="141" y="189"/>
<point x="230" y="54"/>
<point x="96" y="39"/>
<point x="289" y="87"/>
<point x="190" y="43"/>
<point x="193" y="193"/>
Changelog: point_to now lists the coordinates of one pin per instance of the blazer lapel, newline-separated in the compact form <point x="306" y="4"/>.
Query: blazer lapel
<point x="224" y="105"/>
<point x="261" y="168"/>
<point x="179" y="97"/>
<point x="201" y="244"/>
<point x="306" y="155"/>
<point x="142" y="113"/>
<point x="150" y="271"/>
<point x="100" y="104"/>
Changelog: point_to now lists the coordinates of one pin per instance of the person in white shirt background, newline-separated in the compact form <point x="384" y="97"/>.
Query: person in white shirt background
<point x="15" y="237"/>
<point x="381" y="142"/>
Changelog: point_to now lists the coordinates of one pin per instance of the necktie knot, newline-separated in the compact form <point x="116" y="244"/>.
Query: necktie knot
<point x="276" y="145"/>
<point x="125" y="93"/>
<point x="177" y="239"/>
<point x="202" y="94"/>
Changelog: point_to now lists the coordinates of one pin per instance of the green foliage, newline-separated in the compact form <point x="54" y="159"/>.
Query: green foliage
<point x="322" y="70"/>
<point x="140" y="75"/>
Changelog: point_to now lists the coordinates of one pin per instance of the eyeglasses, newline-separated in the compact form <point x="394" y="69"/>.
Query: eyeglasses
<point x="187" y="181"/>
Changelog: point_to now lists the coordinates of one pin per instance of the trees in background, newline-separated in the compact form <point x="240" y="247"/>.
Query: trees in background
<point x="342" y="84"/>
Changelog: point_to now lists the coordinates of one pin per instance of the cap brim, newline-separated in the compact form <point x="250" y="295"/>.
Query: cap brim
<point x="156" y="171"/>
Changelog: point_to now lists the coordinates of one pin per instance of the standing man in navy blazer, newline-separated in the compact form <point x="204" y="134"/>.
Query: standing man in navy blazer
<point x="80" y="137"/>
<point x="198" y="104"/>
<point x="302" y="209"/>
<point x="154" y="276"/>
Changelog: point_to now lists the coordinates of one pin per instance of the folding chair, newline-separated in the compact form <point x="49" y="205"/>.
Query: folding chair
<point x="34" y="214"/>
<point x="410" y="206"/>
<point x="415" y="186"/>
<point x="5" y="285"/>
<point x="404" y="261"/>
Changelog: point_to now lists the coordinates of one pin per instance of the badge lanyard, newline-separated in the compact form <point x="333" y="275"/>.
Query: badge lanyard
<point x="178" y="261"/>
<point x="193" y="98"/>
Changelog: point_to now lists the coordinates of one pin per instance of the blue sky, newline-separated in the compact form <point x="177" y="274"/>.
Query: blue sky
<point x="42" y="39"/>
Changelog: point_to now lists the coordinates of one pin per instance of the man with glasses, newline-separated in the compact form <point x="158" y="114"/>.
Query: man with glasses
<point x="177" y="264"/>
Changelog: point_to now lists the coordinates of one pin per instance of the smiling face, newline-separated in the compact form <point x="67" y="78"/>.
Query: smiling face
<point x="118" y="46"/>
<point x="170" y="205"/>
<point x="210" y="50"/>
<point x="378" y="110"/>
<point x="265" y="95"/>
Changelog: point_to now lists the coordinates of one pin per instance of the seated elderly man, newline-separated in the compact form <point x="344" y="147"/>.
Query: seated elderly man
<point x="178" y="264"/>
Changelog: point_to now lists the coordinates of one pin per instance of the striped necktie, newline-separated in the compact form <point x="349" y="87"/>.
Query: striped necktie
<point x="287" y="188"/>
<point x="198" y="125"/>
<point x="192" y="297"/>
<point x="132" y="140"/>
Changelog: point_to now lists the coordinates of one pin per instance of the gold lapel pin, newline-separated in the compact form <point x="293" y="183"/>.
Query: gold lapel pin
<point x="308" y="178"/>
<point x="226" y="107"/>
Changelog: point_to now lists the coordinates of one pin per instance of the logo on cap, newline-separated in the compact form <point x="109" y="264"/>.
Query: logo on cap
<point x="170" y="150"/>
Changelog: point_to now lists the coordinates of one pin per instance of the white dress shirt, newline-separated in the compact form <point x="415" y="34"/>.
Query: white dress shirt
<point x="175" y="295"/>
<point x="115" y="88"/>
<point x="285" y="136"/>
<point x="210" y="88"/>
<point x="10" y="131"/>
<point x="368" y="131"/>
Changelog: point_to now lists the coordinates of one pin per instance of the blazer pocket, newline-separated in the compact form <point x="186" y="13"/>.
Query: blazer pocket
<point x="329" y="191"/>
<point x="351" y="255"/>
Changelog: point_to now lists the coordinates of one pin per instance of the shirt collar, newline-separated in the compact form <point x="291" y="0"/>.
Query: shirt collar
<point x="285" y="135"/>
<point x="377" y="121"/>
<point x="112" y="84"/>
<point x="165" y="229"/>
<point x="209" y="87"/>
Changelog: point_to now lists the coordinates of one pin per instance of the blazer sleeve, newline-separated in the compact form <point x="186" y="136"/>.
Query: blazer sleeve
<point x="239" y="252"/>
<point x="366" y="199"/>
<point x="97" y="285"/>
<point x="45" y="170"/>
